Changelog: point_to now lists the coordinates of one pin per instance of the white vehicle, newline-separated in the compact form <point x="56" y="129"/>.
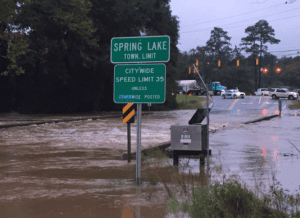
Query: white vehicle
<point x="262" y="92"/>
<point x="222" y="92"/>
<point x="233" y="93"/>
<point x="276" y="93"/>
<point x="189" y="86"/>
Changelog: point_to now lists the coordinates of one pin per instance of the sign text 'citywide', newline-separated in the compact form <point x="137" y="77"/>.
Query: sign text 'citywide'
<point x="140" y="83"/>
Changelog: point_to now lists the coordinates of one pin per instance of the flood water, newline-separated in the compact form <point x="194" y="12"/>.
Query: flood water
<point x="74" y="169"/>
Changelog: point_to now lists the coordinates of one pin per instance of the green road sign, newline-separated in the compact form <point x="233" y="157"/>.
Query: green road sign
<point x="140" y="49"/>
<point x="140" y="83"/>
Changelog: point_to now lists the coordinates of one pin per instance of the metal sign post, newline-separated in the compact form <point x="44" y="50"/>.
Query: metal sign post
<point x="138" y="144"/>
<point x="128" y="117"/>
<point x="279" y="107"/>
<point x="139" y="83"/>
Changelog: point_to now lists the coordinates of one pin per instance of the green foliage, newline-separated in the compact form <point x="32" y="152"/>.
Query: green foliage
<point x="189" y="102"/>
<point x="63" y="47"/>
<point x="295" y="105"/>
<point x="227" y="200"/>
<point x="218" y="44"/>
<point x="290" y="71"/>
<point x="203" y="204"/>
<point x="231" y="200"/>
<point x="241" y="77"/>
<point x="7" y="10"/>
<point x="237" y="201"/>
<point x="173" y="205"/>
<point x="296" y="215"/>
<point x="260" y="32"/>
<point x="154" y="153"/>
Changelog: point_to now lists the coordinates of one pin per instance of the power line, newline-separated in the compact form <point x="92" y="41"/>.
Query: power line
<point x="236" y="26"/>
<point x="233" y="16"/>
<point x="261" y="17"/>
<point x="285" y="51"/>
<point x="278" y="51"/>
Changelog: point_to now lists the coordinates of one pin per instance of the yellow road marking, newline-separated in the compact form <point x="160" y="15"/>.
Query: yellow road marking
<point x="232" y="104"/>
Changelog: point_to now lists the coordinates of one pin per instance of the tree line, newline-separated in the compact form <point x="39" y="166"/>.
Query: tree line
<point x="55" y="54"/>
<point x="243" y="74"/>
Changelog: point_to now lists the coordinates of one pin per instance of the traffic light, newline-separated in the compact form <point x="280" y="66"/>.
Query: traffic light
<point x="265" y="70"/>
<point x="237" y="62"/>
<point x="190" y="70"/>
<point x="278" y="69"/>
<point x="196" y="63"/>
<point x="219" y="63"/>
<point x="256" y="61"/>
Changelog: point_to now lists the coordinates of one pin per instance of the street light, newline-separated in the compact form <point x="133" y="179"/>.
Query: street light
<point x="265" y="70"/>
<point x="278" y="69"/>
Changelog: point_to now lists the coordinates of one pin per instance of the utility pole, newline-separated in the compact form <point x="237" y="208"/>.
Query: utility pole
<point x="259" y="78"/>
<point x="207" y="111"/>
<point x="255" y="76"/>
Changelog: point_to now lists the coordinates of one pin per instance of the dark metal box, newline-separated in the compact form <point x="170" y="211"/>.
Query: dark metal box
<point x="186" y="137"/>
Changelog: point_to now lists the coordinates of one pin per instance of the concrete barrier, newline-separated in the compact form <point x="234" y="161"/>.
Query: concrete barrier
<point x="262" y="119"/>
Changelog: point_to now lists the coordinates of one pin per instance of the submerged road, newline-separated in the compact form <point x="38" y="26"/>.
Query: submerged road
<point x="248" y="103"/>
<point x="73" y="169"/>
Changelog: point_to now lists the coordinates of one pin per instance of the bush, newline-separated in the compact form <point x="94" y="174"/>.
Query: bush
<point x="228" y="200"/>
<point x="203" y="204"/>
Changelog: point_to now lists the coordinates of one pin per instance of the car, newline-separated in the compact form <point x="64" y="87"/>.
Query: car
<point x="297" y="90"/>
<point x="262" y="92"/>
<point x="276" y="93"/>
<point x="233" y="93"/>
<point x="222" y="92"/>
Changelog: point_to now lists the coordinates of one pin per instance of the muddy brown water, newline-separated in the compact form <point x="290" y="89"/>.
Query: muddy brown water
<point x="74" y="169"/>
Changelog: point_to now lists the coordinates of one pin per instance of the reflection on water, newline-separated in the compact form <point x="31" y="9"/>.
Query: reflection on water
<point x="80" y="162"/>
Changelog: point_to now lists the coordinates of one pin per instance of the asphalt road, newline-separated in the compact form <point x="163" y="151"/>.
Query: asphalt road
<point x="248" y="103"/>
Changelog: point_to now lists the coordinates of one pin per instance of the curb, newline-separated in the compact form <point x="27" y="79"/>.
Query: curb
<point x="262" y="119"/>
<point x="63" y="120"/>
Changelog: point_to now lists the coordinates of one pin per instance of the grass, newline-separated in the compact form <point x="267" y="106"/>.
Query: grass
<point x="189" y="102"/>
<point x="295" y="105"/>
<point x="197" y="196"/>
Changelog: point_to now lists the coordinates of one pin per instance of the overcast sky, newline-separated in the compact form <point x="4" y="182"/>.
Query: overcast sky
<point x="198" y="17"/>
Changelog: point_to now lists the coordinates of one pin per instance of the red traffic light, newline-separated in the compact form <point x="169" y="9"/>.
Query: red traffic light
<point x="278" y="70"/>
<point x="265" y="70"/>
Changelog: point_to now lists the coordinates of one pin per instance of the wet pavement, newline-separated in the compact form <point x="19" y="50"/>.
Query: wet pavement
<point x="74" y="169"/>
